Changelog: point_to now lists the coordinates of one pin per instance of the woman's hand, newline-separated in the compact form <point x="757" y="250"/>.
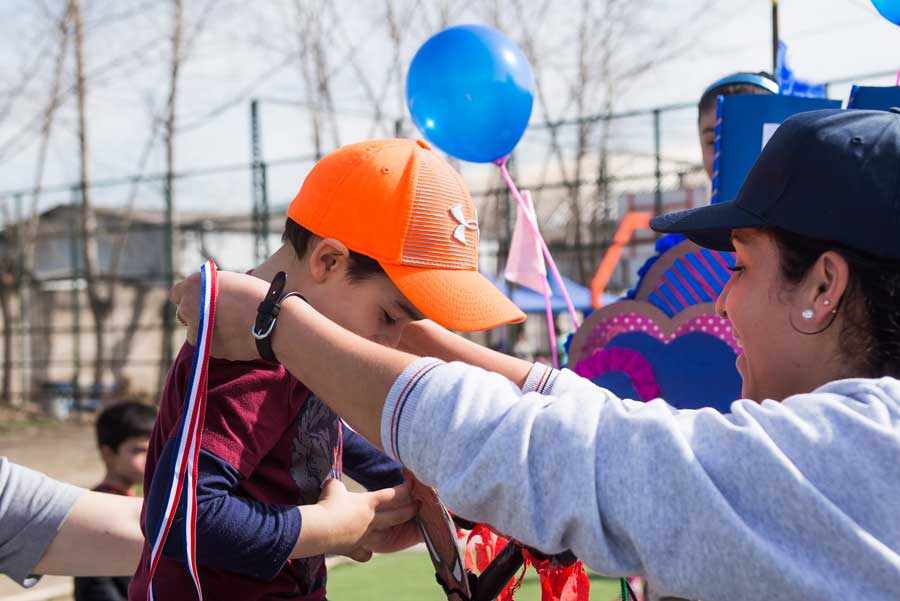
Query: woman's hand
<point x="396" y="538"/>
<point x="236" y="305"/>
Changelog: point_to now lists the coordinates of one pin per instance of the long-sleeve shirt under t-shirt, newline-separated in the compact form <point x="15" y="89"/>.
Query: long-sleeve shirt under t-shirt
<point x="268" y="445"/>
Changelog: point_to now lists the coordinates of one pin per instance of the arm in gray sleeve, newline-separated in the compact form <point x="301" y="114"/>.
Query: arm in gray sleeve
<point x="32" y="509"/>
<point x="782" y="500"/>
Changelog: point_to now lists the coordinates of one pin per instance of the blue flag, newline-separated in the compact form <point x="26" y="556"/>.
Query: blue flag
<point x="788" y="83"/>
<point x="874" y="98"/>
<point x="744" y="125"/>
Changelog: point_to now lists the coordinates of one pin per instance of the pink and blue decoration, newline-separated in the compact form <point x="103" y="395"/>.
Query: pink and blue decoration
<point x="470" y="91"/>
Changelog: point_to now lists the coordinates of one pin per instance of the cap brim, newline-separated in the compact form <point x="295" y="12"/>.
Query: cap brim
<point x="708" y="226"/>
<point x="456" y="299"/>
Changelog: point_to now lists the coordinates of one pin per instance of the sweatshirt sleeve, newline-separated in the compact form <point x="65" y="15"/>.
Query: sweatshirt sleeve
<point x="680" y="497"/>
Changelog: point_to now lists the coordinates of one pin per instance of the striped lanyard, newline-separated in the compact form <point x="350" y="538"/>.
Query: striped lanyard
<point x="183" y="479"/>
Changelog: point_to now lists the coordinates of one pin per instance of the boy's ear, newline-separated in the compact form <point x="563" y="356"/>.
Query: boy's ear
<point x="107" y="454"/>
<point x="327" y="257"/>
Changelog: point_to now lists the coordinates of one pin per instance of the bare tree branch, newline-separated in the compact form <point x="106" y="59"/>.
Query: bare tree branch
<point x="20" y="140"/>
<point x="46" y="128"/>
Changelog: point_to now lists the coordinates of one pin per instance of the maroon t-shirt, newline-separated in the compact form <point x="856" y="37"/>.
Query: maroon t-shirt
<point x="263" y="422"/>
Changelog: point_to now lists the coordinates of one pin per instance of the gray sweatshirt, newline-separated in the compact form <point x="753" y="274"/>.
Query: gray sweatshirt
<point x="32" y="508"/>
<point x="791" y="500"/>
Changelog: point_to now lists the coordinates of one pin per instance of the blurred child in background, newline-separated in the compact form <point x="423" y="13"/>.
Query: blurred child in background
<point x="123" y="435"/>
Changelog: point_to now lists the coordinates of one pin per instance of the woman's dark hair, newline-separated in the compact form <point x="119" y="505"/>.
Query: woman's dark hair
<point x="871" y="304"/>
<point x="359" y="268"/>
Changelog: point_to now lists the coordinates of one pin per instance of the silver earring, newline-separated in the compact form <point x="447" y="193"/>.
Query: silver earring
<point x="826" y="302"/>
<point x="808" y="314"/>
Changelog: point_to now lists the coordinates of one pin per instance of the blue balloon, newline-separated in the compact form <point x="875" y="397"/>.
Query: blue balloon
<point x="470" y="91"/>
<point x="889" y="9"/>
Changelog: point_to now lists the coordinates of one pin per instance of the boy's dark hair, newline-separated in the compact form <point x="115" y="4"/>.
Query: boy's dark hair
<point x="871" y="304"/>
<point x="122" y="421"/>
<point x="733" y="88"/>
<point x="359" y="268"/>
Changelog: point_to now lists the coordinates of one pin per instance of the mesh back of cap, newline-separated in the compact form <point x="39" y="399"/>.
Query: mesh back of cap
<point x="430" y="238"/>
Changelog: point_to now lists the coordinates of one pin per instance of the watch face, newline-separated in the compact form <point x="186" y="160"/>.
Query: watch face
<point x="439" y="533"/>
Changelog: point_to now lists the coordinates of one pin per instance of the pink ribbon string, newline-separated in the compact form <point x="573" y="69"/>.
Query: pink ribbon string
<point x="534" y="229"/>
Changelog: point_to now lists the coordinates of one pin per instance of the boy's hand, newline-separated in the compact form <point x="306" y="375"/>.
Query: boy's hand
<point x="354" y="524"/>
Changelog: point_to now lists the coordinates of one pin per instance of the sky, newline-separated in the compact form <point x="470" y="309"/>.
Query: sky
<point x="239" y="55"/>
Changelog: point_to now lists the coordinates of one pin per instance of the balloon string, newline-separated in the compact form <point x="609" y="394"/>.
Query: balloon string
<point x="548" y="303"/>
<point x="551" y="327"/>
<point x="534" y="230"/>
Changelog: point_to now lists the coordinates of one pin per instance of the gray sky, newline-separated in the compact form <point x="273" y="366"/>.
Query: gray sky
<point x="239" y="51"/>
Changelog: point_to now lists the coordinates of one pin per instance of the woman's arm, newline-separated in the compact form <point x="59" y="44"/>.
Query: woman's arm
<point x="428" y="339"/>
<point x="351" y="374"/>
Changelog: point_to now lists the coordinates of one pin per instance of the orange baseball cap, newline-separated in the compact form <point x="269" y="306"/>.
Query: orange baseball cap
<point x="398" y="202"/>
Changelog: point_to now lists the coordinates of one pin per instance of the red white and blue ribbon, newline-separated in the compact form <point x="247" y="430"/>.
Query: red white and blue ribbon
<point x="187" y="443"/>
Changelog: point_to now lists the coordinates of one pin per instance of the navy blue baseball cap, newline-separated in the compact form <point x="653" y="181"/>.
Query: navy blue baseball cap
<point x="831" y="175"/>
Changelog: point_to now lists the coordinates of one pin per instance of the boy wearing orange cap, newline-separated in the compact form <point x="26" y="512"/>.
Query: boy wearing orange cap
<point x="382" y="233"/>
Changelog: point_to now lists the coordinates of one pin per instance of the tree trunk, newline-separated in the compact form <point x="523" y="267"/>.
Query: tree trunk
<point x="99" y="303"/>
<point x="122" y="350"/>
<point x="168" y="351"/>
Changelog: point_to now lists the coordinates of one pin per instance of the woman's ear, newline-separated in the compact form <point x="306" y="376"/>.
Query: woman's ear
<point x="327" y="258"/>
<point x="824" y="288"/>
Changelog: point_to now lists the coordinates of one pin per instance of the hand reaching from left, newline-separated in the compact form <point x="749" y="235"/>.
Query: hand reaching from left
<point x="395" y="538"/>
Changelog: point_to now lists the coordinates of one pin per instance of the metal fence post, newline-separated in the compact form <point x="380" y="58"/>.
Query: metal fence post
<point x="657" y="153"/>
<point x="260" y="186"/>
<point x="24" y="333"/>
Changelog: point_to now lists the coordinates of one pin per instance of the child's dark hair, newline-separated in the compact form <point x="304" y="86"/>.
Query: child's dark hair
<point x="732" y="88"/>
<point x="359" y="268"/>
<point x="871" y="305"/>
<point x="122" y="421"/>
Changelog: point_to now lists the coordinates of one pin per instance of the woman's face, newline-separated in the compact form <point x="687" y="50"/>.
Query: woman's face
<point x="776" y="360"/>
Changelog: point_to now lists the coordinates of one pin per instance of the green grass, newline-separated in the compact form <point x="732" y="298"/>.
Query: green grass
<point x="410" y="577"/>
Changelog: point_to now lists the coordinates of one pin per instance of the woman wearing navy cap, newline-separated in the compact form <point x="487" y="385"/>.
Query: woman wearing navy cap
<point x="795" y="494"/>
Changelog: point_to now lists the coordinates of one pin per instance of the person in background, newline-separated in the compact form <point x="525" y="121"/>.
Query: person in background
<point x="123" y="434"/>
<point x="736" y="84"/>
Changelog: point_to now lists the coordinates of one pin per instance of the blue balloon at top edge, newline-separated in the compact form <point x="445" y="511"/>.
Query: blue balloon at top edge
<point x="470" y="90"/>
<point x="889" y="9"/>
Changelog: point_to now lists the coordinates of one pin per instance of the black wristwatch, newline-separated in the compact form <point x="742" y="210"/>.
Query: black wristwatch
<point x="266" y="315"/>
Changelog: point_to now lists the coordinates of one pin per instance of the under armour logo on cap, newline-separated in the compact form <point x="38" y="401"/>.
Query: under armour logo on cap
<point x="464" y="224"/>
